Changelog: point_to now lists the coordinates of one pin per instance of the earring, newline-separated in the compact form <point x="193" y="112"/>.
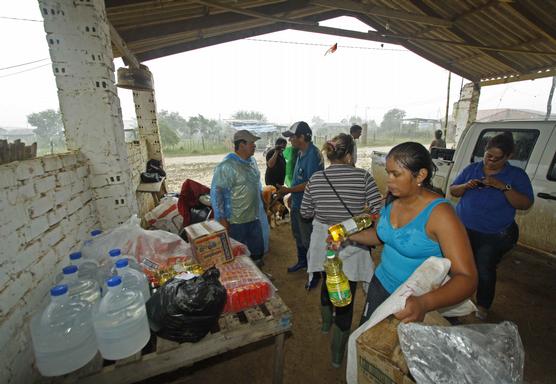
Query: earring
<point x="419" y="184"/>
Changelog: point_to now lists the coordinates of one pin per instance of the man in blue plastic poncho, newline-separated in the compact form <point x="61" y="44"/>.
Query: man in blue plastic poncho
<point x="235" y="195"/>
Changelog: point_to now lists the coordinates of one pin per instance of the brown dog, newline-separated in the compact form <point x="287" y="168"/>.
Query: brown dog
<point x="274" y="208"/>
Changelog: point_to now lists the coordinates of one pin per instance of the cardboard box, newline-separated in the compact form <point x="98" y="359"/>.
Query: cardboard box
<point x="210" y="243"/>
<point x="379" y="355"/>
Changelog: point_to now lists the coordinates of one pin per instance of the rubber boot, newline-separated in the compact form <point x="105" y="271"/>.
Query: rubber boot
<point x="301" y="260"/>
<point x="326" y="314"/>
<point x="338" y="345"/>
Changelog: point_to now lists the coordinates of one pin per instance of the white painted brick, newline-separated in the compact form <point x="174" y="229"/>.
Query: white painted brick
<point x="66" y="246"/>
<point x="82" y="171"/>
<point x="26" y="191"/>
<point x="52" y="236"/>
<point x="56" y="215"/>
<point x="45" y="184"/>
<point x="65" y="178"/>
<point x="44" y="265"/>
<point x="36" y="227"/>
<point x="69" y="159"/>
<point x="23" y="259"/>
<point x="14" y="292"/>
<point x="62" y="195"/>
<point x="41" y="206"/>
<point x="77" y="186"/>
<point x="74" y="205"/>
<point x="10" y="326"/>
<point x="86" y="196"/>
<point x="12" y="195"/>
<point x="7" y="176"/>
<point x="29" y="168"/>
<point x="18" y="217"/>
<point x="51" y="163"/>
<point x="11" y="243"/>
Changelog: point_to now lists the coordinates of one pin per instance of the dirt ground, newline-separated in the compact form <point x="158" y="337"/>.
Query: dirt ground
<point x="526" y="295"/>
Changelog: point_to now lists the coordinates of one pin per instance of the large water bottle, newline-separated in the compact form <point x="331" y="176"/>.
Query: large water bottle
<point x="116" y="254"/>
<point x="63" y="335"/>
<point x="120" y="321"/>
<point x="92" y="249"/>
<point x="132" y="279"/>
<point x="82" y="288"/>
<point x="88" y="268"/>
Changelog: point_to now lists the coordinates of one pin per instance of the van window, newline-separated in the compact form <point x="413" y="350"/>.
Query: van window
<point x="552" y="170"/>
<point x="524" y="143"/>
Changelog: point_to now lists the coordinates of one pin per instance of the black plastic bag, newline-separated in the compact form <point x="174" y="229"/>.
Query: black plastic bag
<point x="155" y="166"/>
<point x="186" y="310"/>
<point x="150" y="177"/>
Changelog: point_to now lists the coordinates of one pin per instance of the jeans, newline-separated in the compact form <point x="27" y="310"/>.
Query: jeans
<point x="250" y="234"/>
<point x="376" y="295"/>
<point x="344" y="315"/>
<point x="301" y="230"/>
<point x="488" y="249"/>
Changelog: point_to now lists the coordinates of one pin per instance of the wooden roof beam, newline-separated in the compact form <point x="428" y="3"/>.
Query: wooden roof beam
<point x="510" y="79"/>
<point x="120" y="44"/>
<point x="547" y="30"/>
<point x="354" y="6"/>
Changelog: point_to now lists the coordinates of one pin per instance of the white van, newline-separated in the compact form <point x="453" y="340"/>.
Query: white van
<point x="535" y="152"/>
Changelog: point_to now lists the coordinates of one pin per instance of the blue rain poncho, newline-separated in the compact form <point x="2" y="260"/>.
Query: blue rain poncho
<point x="236" y="193"/>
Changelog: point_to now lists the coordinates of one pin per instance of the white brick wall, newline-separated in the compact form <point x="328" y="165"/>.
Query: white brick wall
<point x="46" y="211"/>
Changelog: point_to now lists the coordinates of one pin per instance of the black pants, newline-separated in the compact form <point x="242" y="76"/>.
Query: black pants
<point x="488" y="249"/>
<point x="344" y="315"/>
<point x="376" y="295"/>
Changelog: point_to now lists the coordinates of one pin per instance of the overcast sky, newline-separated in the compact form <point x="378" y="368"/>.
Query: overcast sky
<point x="284" y="75"/>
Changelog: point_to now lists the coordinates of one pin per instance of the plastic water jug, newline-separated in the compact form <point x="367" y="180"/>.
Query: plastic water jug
<point x="82" y="288"/>
<point x="63" y="335"/>
<point x="116" y="254"/>
<point x="92" y="249"/>
<point x="120" y="321"/>
<point x="88" y="268"/>
<point x="132" y="279"/>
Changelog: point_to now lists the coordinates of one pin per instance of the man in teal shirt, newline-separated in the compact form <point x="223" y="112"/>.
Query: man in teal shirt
<point x="309" y="161"/>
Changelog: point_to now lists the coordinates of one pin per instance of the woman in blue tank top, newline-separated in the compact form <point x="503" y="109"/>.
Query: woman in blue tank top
<point x="417" y="223"/>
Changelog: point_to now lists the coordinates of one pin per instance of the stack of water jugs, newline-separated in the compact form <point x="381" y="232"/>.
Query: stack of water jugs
<point x="97" y="304"/>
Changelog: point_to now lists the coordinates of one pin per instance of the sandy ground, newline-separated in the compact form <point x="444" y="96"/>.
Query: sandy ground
<point x="526" y="295"/>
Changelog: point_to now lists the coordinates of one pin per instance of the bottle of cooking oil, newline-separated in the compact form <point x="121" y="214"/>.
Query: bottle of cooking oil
<point x="337" y="282"/>
<point x="341" y="231"/>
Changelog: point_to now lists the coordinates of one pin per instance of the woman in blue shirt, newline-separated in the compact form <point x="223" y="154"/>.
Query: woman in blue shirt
<point x="491" y="190"/>
<point x="417" y="223"/>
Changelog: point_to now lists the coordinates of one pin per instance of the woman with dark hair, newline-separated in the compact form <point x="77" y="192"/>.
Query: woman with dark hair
<point x="491" y="190"/>
<point x="332" y="196"/>
<point x="414" y="225"/>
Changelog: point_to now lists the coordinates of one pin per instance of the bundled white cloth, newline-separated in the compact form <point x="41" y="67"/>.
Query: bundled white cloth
<point x="357" y="262"/>
<point x="430" y="275"/>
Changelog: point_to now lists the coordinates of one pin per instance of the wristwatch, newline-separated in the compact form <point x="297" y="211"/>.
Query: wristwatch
<point x="506" y="188"/>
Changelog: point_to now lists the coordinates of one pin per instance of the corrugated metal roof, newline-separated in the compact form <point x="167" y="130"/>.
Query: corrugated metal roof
<point x="491" y="41"/>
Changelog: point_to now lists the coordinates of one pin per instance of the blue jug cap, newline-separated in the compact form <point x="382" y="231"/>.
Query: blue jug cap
<point x="69" y="269"/>
<point x="96" y="232"/>
<point x="115" y="252"/>
<point x="122" y="263"/>
<point x="75" y="255"/>
<point x="114" y="281"/>
<point x="59" y="290"/>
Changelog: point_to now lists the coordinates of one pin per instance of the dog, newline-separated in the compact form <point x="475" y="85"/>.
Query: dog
<point x="275" y="209"/>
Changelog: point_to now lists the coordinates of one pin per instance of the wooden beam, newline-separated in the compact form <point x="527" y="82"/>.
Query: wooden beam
<point x="122" y="47"/>
<point x="354" y="6"/>
<point x="513" y="78"/>
<point x="255" y="14"/>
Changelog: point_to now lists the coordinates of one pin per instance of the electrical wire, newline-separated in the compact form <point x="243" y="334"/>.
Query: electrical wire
<point x="21" y="65"/>
<point x="326" y="45"/>
<point x="25" y="70"/>
<point x="19" y="19"/>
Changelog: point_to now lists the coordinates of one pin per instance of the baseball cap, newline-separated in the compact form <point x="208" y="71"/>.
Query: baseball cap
<point x="244" y="134"/>
<point x="297" y="129"/>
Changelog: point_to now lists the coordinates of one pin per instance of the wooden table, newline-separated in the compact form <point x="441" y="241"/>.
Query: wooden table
<point x="155" y="189"/>
<point x="271" y="319"/>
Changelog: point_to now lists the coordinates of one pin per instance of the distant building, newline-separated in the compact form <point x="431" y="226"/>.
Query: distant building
<point x="255" y="126"/>
<point x="423" y="125"/>
<point x="12" y="134"/>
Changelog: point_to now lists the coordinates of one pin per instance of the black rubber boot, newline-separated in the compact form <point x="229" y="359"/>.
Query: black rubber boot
<point x="338" y="345"/>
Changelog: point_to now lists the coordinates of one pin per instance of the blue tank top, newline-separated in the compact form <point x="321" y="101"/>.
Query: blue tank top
<point x="405" y="248"/>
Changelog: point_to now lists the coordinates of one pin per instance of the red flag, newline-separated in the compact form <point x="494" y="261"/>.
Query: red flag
<point x="332" y="49"/>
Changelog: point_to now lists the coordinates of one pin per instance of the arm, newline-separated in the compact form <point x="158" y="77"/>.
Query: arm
<point x="221" y="196"/>
<point x="271" y="160"/>
<point x="445" y="227"/>
<point x="373" y="199"/>
<point x="298" y="188"/>
<point x="307" y="206"/>
<point x="367" y="237"/>
<point x="516" y="199"/>
<point x="457" y="190"/>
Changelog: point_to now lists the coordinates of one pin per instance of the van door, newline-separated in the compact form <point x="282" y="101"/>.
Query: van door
<point x="538" y="224"/>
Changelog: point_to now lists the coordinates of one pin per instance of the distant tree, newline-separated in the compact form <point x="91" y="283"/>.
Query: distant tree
<point x="317" y="121"/>
<point x="249" y="115"/>
<point x="392" y="119"/>
<point x="174" y="121"/>
<point x="168" y="136"/>
<point x="355" y="120"/>
<point x="48" y="124"/>
<point x="202" y="125"/>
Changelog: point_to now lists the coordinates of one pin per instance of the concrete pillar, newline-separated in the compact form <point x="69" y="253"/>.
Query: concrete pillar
<point x="78" y="35"/>
<point x="465" y="110"/>
<point x="147" y="123"/>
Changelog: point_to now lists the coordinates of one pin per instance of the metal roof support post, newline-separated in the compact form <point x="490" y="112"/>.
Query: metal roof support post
<point x="465" y="110"/>
<point x="78" y="35"/>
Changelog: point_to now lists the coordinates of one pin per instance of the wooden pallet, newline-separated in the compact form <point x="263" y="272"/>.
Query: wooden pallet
<point x="271" y="319"/>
